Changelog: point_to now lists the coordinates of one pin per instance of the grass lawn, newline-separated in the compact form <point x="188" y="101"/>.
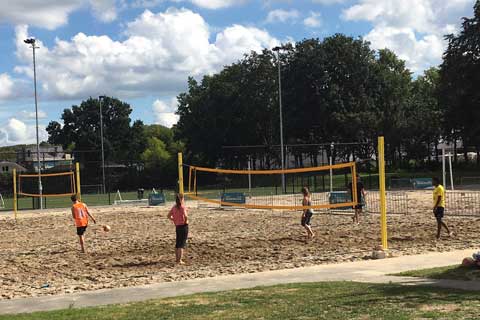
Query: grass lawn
<point x="327" y="300"/>
<point x="456" y="272"/>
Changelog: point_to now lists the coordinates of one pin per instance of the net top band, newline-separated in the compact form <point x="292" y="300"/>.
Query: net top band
<point x="275" y="171"/>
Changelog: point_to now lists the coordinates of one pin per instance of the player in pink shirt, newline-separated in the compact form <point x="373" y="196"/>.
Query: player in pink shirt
<point x="178" y="215"/>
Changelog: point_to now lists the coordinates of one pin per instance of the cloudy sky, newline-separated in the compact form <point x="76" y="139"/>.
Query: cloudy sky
<point x="142" y="51"/>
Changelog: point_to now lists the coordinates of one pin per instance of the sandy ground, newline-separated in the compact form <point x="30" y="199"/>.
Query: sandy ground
<point x="39" y="255"/>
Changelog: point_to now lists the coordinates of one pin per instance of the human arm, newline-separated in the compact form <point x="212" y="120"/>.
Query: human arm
<point x="439" y="200"/>
<point x="88" y="213"/>
<point x="170" y="215"/>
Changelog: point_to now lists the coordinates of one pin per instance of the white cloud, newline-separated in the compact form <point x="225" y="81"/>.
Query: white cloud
<point x="18" y="132"/>
<point x="215" y="4"/>
<point x="328" y="2"/>
<point x="6" y="86"/>
<point x="51" y="14"/>
<point x="237" y="40"/>
<point x="104" y="10"/>
<point x="31" y="114"/>
<point x="160" y="51"/>
<point x="413" y="29"/>
<point x="419" y="53"/>
<point x="280" y="15"/>
<point x="207" y="4"/>
<point x="146" y="3"/>
<point x="313" y="20"/>
<point x="164" y="112"/>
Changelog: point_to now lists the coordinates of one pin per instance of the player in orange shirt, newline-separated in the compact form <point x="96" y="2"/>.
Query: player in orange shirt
<point x="80" y="216"/>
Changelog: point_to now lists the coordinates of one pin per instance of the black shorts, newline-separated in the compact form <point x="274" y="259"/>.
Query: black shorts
<point x="358" y="206"/>
<point x="81" y="230"/>
<point x="439" y="212"/>
<point x="182" y="235"/>
<point x="306" y="218"/>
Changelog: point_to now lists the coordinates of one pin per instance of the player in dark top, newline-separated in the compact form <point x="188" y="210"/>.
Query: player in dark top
<point x="360" y="199"/>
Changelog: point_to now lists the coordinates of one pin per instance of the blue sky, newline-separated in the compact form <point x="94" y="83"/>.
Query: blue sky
<point x="142" y="51"/>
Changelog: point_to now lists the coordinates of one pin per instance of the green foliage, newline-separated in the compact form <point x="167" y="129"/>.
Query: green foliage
<point x="156" y="153"/>
<point x="81" y="126"/>
<point x="459" y="91"/>
<point x="138" y="146"/>
<point x="337" y="90"/>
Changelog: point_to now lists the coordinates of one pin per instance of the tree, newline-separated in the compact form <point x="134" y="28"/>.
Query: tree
<point x="238" y="106"/>
<point x="391" y="82"/>
<point x="156" y="154"/>
<point x="81" y="126"/>
<point x="459" y="92"/>
<point x="423" y="115"/>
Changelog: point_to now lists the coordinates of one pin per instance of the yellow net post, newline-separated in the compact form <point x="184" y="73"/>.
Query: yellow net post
<point x="15" y="193"/>
<point x="79" y="191"/>
<point x="180" y="173"/>
<point x="354" y="186"/>
<point x="383" y="201"/>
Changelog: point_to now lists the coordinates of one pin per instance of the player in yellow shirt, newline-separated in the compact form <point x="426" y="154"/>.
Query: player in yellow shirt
<point x="439" y="206"/>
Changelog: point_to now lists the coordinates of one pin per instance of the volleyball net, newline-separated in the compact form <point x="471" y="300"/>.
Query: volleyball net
<point x="271" y="189"/>
<point x="59" y="184"/>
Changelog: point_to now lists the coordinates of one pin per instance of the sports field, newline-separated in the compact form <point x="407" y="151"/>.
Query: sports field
<point x="41" y="254"/>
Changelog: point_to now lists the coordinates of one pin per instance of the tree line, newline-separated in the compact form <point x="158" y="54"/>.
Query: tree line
<point x="339" y="89"/>
<point x="334" y="90"/>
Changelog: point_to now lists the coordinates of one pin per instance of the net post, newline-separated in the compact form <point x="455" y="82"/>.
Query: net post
<point x="383" y="204"/>
<point x="354" y="185"/>
<point x="15" y="193"/>
<point x="180" y="173"/>
<point x="77" y="171"/>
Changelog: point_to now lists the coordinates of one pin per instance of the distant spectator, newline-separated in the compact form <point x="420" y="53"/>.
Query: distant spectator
<point x="439" y="206"/>
<point x="307" y="213"/>
<point x="360" y="199"/>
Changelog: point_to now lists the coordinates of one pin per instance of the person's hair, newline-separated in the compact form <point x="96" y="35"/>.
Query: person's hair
<point x="305" y="191"/>
<point x="73" y="197"/>
<point x="179" y="199"/>
<point x="436" y="180"/>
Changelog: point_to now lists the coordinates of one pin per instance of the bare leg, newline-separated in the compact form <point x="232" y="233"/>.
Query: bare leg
<point x="310" y="233"/>
<point x="179" y="255"/>
<point x="82" y="243"/>
<point x="446" y="228"/>
<point x="439" y="228"/>
<point x="356" y="216"/>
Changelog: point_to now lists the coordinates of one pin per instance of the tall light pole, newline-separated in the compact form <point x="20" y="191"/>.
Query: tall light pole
<point x="100" y="99"/>
<point x="277" y="50"/>
<point x="31" y="41"/>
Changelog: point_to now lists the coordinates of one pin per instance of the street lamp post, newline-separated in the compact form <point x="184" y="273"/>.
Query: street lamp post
<point x="277" y="50"/>
<point x="31" y="41"/>
<point x="100" y="99"/>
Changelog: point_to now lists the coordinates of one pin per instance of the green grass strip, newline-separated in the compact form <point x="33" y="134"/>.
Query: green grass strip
<point x="327" y="300"/>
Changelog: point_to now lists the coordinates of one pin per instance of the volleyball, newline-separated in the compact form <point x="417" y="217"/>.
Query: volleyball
<point x="106" y="228"/>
